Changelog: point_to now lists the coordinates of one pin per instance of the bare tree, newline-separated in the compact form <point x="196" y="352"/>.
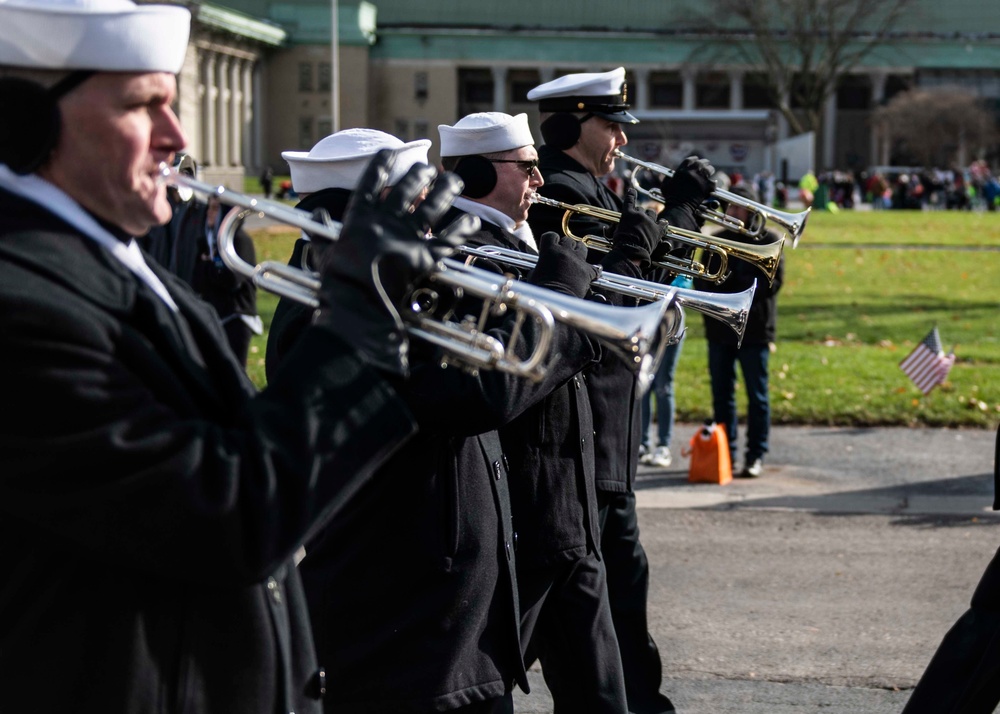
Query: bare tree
<point x="802" y="47"/>
<point x="939" y="127"/>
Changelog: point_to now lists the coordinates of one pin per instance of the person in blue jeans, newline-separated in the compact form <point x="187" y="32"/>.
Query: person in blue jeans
<point x="663" y="389"/>
<point x="752" y="355"/>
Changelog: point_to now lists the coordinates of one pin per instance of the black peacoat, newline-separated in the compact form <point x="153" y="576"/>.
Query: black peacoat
<point x="150" y="500"/>
<point x="413" y="595"/>
<point x="550" y="449"/>
<point x="613" y="388"/>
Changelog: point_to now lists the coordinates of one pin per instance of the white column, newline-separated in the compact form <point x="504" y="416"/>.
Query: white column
<point x="878" y="96"/>
<point x="736" y="89"/>
<point x="829" y="131"/>
<point x="246" y="81"/>
<point x="499" y="88"/>
<point x="641" y="91"/>
<point x="689" y="77"/>
<point x="208" y="109"/>
<point x="236" y="112"/>
<point x="546" y="74"/>
<point x="222" y="110"/>
<point x="258" y="117"/>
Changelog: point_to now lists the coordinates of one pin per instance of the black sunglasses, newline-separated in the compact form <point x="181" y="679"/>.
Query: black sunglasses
<point x="528" y="166"/>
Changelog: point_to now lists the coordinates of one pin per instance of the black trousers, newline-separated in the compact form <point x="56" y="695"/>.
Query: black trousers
<point x="566" y="623"/>
<point x="239" y="335"/>
<point x="503" y="705"/>
<point x="963" y="676"/>
<point x="628" y="588"/>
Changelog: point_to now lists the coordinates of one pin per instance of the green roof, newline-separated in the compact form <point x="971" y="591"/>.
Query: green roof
<point x="954" y="16"/>
<point x="241" y="24"/>
<point x="309" y="23"/>
<point x="959" y="34"/>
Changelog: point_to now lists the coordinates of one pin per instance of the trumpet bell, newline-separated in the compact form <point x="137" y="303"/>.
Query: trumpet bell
<point x="638" y="335"/>
<point x="730" y="308"/>
<point x="794" y="224"/>
<point x="764" y="256"/>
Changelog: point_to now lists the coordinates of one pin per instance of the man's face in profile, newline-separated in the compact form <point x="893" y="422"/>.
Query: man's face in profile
<point x="116" y="129"/>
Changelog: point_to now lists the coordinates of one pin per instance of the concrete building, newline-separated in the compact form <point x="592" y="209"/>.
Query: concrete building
<point x="406" y="67"/>
<point x="221" y="92"/>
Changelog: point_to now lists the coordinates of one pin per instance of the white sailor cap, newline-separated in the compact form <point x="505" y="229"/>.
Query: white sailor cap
<point x="602" y="94"/>
<point x="485" y="133"/>
<point x="95" y="35"/>
<point x="339" y="160"/>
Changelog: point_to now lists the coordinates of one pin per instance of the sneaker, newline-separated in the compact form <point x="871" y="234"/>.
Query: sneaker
<point x="752" y="469"/>
<point x="661" y="457"/>
<point x="645" y="456"/>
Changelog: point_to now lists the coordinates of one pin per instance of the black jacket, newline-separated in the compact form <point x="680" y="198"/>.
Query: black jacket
<point x="414" y="598"/>
<point x="227" y="291"/>
<point x="762" y="322"/>
<point x="291" y="317"/>
<point x="150" y="500"/>
<point x="613" y="388"/>
<point x="550" y="449"/>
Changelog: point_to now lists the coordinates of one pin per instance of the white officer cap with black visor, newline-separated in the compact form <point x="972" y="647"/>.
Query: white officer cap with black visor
<point x="601" y="94"/>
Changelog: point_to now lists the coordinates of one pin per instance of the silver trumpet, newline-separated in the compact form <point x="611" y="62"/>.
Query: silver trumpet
<point x="638" y="334"/>
<point x="793" y="223"/>
<point x="729" y="308"/>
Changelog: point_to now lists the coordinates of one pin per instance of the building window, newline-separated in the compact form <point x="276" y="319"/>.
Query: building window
<point x="420" y="129"/>
<point x="854" y="92"/>
<point x="666" y="89"/>
<point x="712" y="91"/>
<point x="402" y="129"/>
<point x="420" y="86"/>
<point x="324" y="77"/>
<point x="756" y="94"/>
<point x="519" y="83"/>
<point x="475" y="91"/>
<point x="306" y="139"/>
<point x="519" y="91"/>
<point x="305" y="76"/>
<point x="894" y="84"/>
<point x="324" y="127"/>
<point x="798" y="85"/>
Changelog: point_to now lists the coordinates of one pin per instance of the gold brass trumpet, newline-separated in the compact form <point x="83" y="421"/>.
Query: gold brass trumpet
<point x="793" y="223"/>
<point x="764" y="256"/>
<point x="639" y="334"/>
<point x="729" y="308"/>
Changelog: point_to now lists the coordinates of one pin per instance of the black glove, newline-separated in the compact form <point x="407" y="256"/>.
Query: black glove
<point x="638" y="233"/>
<point x="690" y="184"/>
<point x="662" y="250"/>
<point x="382" y="252"/>
<point x="562" y="266"/>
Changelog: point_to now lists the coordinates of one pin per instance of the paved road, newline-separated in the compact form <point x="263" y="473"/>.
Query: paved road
<point x="826" y="584"/>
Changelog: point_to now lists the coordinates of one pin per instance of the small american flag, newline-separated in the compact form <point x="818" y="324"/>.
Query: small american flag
<point x="927" y="365"/>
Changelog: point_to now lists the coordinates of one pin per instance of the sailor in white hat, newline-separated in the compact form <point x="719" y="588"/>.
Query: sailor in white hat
<point x="494" y="155"/>
<point x="325" y="178"/>
<point x="566" y="619"/>
<point x="152" y="497"/>
<point x="338" y="160"/>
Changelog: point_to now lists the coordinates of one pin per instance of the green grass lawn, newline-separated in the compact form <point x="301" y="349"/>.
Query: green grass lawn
<point x="847" y="315"/>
